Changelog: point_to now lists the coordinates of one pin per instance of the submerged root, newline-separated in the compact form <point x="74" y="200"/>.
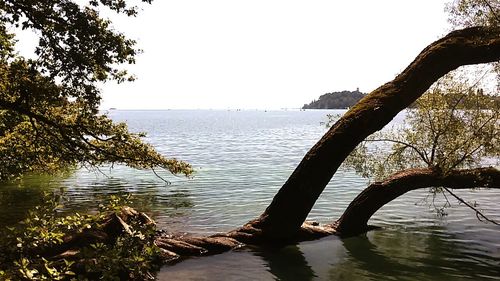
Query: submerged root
<point x="176" y="247"/>
<point x="179" y="247"/>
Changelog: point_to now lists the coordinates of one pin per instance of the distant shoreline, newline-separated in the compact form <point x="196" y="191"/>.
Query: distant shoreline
<point x="220" y="109"/>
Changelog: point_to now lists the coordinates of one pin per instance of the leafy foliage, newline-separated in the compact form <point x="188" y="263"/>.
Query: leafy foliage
<point x="75" y="43"/>
<point x="49" y="117"/>
<point x="467" y="13"/>
<point x="454" y="125"/>
<point x="464" y="13"/>
<point x="130" y="257"/>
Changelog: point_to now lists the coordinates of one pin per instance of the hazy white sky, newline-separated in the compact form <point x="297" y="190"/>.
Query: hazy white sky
<point x="269" y="54"/>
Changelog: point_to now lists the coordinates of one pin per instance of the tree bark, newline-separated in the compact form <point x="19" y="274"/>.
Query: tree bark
<point x="176" y="247"/>
<point x="356" y="216"/>
<point x="283" y="220"/>
<point x="354" y="220"/>
<point x="291" y="205"/>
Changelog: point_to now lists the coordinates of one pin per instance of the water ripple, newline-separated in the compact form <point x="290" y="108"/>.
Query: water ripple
<point x="241" y="160"/>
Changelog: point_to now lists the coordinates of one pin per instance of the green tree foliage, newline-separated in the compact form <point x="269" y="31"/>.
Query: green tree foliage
<point x="335" y="100"/>
<point x="49" y="116"/>
<point x="454" y="125"/>
<point x="465" y="13"/>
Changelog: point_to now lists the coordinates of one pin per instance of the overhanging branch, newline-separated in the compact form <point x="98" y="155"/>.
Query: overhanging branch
<point x="356" y="216"/>
<point x="295" y="199"/>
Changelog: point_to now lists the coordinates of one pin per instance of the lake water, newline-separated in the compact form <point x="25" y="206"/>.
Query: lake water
<point x="241" y="159"/>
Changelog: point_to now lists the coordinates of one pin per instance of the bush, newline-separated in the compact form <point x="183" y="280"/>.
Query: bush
<point x="30" y="249"/>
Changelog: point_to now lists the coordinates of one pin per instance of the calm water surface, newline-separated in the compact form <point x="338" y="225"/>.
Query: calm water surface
<point x="241" y="159"/>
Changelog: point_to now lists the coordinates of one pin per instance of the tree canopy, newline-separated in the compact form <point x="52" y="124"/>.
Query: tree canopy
<point x="49" y="106"/>
<point x="474" y="44"/>
<point x="454" y="125"/>
<point x="453" y="106"/>
<point x="466" y="13"/>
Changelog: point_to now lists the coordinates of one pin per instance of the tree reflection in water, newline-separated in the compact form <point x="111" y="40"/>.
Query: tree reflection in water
<point x="149" y="195"/>
<point x="415" y="254"/>
<point x="287" y="263"/>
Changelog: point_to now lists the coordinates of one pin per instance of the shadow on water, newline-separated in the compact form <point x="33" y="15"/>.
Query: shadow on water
<point x="366" y="257"/>
<point x="255" y="263"/>
<point x="148" y="195"/>
<point x="287" y="263"/>
<point x="18" y="197"/>
<point x="413" y="253"/>
<point x="85" y="193"/>
<point x="421" y="254"/>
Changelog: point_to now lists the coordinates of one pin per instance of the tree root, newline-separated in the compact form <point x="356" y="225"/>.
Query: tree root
<point x="176" y="247"/>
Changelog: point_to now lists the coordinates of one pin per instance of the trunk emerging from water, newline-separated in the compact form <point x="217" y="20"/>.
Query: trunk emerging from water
<point x="284" y="219"/>
<point x="284" y="216"/>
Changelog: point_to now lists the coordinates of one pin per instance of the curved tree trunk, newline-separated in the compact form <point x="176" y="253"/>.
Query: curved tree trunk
<point x="283" y="220"/>
<point x="356" y="216"/>
<point x="352" y="222"/>
<point x="174" y="248"/>
<point x="291" y="205"/>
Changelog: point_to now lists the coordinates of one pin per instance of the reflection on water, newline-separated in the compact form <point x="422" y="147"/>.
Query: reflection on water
<point x="83" y="195"/>
<point x="16" y="198"/>
<point x="406" y="255"/>
<point x="242" y="158"/>
<point x="391" y="254"/>
<point x="287" y="263"/>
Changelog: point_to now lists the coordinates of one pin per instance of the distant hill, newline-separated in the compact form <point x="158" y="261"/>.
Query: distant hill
<point x="336" y="100"/>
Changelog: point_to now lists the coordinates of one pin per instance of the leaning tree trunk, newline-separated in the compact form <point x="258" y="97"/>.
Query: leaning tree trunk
<point x="283" y="220"/>
<point x="356" y="216"/>
<point x="284" y="216"/>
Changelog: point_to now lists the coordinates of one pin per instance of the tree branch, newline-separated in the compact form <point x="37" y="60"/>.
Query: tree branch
<point x="356" y="216"/>
<point x="468" y="142"/>
<point x="492" y="10"/>
<point x="295" y="199"/>
<point x="479" y="214"/>
<point x="414" y="148"/>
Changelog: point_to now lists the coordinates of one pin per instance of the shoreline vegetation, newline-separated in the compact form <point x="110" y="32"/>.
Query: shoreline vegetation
<point x="336" y="100"/>
<point x="347" y="99"/>
<point x="115" y="241"/>
<point x="49" y="119"/>
<point x="120" y="243"/>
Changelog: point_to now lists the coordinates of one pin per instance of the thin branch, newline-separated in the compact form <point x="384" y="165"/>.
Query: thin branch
<point x="447" y="204"/>
<point x="421" y="154"/>
<point x="432" y="129"/>
<point x="156" y="174"/>
<point x="462" y="159"/>
<point x="479" y="214"/>
<point x="437" y="134"/>
<point x="493" y="12"/>
<point x="102" y="173"/>
<point x="464" y="93"/>
<point x="467" y="142"/>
